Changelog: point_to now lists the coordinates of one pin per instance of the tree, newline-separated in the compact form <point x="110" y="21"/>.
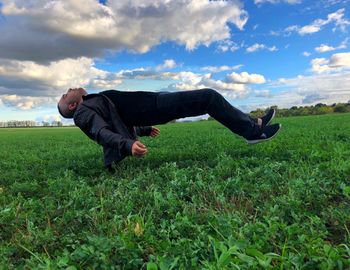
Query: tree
<point x="341" y="108"/>
<point x="56" y="124"/>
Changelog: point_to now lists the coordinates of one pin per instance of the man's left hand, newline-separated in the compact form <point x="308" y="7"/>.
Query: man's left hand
<point x="155" y="132"/>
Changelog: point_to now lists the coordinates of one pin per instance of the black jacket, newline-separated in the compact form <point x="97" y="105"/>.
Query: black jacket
<point x="98" y="118"/>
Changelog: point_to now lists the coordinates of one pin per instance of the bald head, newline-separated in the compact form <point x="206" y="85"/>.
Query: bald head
<point x="69" y="101"/>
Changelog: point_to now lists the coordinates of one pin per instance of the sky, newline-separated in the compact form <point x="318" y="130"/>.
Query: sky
<point x="256" y="53"/>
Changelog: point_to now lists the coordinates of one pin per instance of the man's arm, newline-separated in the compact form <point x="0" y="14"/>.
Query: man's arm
<point x="96" y="128"/>
<point x="134" y="148"/>
<point x="143" y="131"/>
<point x="147" y="131"/>
<point x="109" y="138"/>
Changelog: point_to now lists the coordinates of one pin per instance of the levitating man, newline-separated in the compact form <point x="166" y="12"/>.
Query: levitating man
<point x="115" y="119"/>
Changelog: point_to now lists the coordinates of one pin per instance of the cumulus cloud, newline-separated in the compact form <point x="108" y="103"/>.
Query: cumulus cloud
<point x="325" y="48"/>
<point x="336" y="18"/>
<point x="24" y="102"/>
<point x="259" y="47"/>
<point x="336" y="63"/>
<point x="206" y="81"/>
<point x="54" y="30"/>
<point x="233" y="85"/>
<point x="245" y="78"/>
<point x="27" y="78"/>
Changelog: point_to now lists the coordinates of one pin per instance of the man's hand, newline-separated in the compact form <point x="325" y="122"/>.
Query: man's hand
<point x="138" y="149"/>
<point x="155" y="132"/>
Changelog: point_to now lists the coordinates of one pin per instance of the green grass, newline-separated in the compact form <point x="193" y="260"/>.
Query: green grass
<point x="201" y="199"/>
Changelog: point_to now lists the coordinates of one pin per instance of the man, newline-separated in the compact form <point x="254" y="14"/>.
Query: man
<point x="114" y="118"/>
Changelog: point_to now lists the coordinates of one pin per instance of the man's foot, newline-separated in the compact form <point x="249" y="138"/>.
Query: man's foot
<point x="267" y="118"/>
<point x="268" y="132"/>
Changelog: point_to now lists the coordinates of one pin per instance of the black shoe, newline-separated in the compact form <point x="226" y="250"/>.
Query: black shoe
<point x="268" y="133"/>
<point x="267" y="118"/>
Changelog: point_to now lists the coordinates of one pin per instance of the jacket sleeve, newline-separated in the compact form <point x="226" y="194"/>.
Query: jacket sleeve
<point x="97" y="129"/>
<point x="143" y="131"/>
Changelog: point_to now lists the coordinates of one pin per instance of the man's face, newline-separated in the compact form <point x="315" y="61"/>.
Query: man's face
<point x="73" y="95"/>
<point x="70" y="101"/>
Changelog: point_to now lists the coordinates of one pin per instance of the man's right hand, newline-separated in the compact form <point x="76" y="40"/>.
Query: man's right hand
<point x="138" y="149"/>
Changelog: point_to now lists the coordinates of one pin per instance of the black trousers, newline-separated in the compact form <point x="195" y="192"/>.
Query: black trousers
<point x="149" y="108"/>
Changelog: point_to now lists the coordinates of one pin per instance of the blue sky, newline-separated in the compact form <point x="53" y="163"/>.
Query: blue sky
<point x="256" y="53"/>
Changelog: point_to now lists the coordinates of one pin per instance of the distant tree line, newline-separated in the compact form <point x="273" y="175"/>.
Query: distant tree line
<point x="317" y="109"/>
<point x="29" y="123"/>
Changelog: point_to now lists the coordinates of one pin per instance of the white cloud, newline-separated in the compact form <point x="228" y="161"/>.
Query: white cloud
<point x="320" y="65"/>
<point x="51" y="30"/>
<point x="228" y="45"/>
<point x="206" y="81"/>
<point x="336" y="63"/>
<point x="147" y="73"/>
<point x="215" y="69"/>
<point x="325" y="48"/>
<point x="27" y="78"/>
<point x="309" y="29"/>
<point x="307" y="54"/>
<point x="168" y="64"/>
<point x="245" y="78"/>
<point x="340" y="60"/>
<point x="24" y="102"/>
<point x="325" y="4"/>
<point x="259" y="47"/>
<point x="303" y="91"/>
<point x="234" y="85"/>
<point x="337" y="18"/>
<point x="330" y="84"/>
<point x="262" y="93"/>
<point x="257" y="2"/>
<point x="308" y="90"/>
<point x="28" y="85"/>
<point x="52" y="118"/>
<point x="187" y="78"/>
<point x="107" y="81"/>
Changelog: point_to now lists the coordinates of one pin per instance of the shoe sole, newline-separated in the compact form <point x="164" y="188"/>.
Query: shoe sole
<point x="264" y="140"/>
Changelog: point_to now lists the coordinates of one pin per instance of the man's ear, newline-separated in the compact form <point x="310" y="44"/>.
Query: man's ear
<point x="72" y="106"/>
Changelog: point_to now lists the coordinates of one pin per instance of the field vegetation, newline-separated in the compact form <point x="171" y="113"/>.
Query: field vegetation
<point x="201" y="199"/>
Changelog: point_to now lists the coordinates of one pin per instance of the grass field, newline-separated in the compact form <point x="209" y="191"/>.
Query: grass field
<point x="201" y="199"/>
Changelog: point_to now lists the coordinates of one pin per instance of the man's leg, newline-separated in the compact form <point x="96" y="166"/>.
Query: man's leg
<point x="167" y="106"/>
<point x="174" y="105"/>
<point x="198" y="102"/>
